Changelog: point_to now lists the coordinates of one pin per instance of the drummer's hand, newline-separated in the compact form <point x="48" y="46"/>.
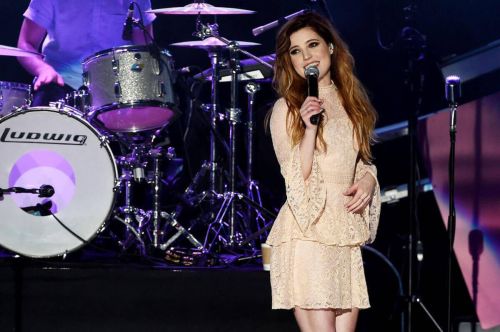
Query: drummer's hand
<point x="361" y="193"/>
<point x="47" y="75"/>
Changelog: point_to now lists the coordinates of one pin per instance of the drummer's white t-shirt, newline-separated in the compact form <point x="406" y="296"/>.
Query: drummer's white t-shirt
<point x="77" y="29"/>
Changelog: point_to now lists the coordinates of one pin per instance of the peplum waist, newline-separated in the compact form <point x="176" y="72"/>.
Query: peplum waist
<point x="337" y="178"/>
<point x="334" y="227"/>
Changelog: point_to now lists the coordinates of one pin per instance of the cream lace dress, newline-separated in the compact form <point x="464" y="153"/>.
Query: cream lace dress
<point x="316" y="256"/>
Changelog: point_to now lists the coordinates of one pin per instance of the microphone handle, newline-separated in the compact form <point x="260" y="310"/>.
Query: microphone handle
<point x="315" y="119"/>
<point x="312" y="90"/>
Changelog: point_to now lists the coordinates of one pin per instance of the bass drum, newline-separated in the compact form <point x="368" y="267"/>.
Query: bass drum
<point x="53" y="146"/>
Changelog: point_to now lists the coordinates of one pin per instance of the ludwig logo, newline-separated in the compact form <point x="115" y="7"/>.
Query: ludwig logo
<point x="10" y="136"/>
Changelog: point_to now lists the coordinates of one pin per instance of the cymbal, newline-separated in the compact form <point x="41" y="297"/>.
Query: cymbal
<point x="211" y="42"/>
<point x="200" y="9"/>
<point x="14" y="51"/>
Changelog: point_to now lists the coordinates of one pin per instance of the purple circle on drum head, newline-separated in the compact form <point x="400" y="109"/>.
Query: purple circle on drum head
<point x="43" y="167"/>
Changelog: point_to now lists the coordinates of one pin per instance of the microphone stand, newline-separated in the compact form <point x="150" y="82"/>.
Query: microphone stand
<point x="450" y="94"/>
<point x="263" y="28"/>
<point x="413" y="45"/>
<point x="43" y="191"/>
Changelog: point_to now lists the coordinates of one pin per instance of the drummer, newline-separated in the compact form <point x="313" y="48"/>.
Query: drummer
<point x="70" y="31"/>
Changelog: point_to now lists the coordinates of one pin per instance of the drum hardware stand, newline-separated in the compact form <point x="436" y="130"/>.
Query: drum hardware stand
<point x="253" y="191"/>
<point x="132" y="169"/>
<point x="233" y="114"/>
<point x="215" y="182"/>
<point x="157" y="214"/>
<point x="213" y="55"/>
<point x="171" y="219"/>
<point x="202" y="32"/>
<point x="218" y="225"/>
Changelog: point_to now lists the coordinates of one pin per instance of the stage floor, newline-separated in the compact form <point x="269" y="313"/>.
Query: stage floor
<point x="48" y="296"/>
<point x="107" y="294"/>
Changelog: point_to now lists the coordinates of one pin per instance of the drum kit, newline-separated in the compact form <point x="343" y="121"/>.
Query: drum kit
<point x="61" y="179"/>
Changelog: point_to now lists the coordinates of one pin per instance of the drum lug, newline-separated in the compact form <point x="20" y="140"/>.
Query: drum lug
<point x="115" y="63"/>
<point x="161" y="89"/>
<point x="102" y="228"/>
<point x="118" y="90"/>
<point x="85" y="78"/>
<point x="59" y="105"/>
<point x="155" y="67"/>
<point x="20" y="109"/>
<point x="117" y="186"/>
<point x="104" y="139"/>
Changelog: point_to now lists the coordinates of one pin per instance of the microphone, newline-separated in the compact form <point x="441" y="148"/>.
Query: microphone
<point x="46" y="190"/>
<point x="452" y="94"/>
<point x="129" y="23"/>
<point x="453" y="90"/>
<point x="312" y="73"/>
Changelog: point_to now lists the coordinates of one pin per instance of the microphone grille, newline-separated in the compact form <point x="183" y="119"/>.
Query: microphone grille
<point x="311" y="71"/>
<point x="452" y="79"/>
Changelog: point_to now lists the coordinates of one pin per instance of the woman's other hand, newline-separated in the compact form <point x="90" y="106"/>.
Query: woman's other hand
<point x="361" y="193"/>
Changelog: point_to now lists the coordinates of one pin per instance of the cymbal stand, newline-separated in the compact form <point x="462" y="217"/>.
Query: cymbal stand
<point x="253" y="191"/>
<point x="233" y="114"/>
<point x="213" y="54"/>
<point x="214" y="60"/>
<point x="192" y="195"/>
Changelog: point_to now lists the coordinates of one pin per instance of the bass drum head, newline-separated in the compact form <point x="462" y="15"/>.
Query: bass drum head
<point x="47" y="146"/>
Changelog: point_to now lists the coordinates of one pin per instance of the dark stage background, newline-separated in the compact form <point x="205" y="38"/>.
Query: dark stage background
<point x="452" y="27"/>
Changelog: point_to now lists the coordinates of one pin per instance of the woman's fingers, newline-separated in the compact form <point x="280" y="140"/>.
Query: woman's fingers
<point x="358" y="202"/>
<point x="311" y="102"/>
<point x="310" y="107"/>
<point x="360" y="205"/>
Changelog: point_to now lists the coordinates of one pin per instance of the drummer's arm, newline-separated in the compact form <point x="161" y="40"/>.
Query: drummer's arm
<point x="138" y="37"/>
<point x="30" y="39"/>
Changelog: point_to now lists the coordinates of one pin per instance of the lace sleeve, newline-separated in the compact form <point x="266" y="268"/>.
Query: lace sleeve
<point x="306" y="198"/>
<point x="372" y="214"/>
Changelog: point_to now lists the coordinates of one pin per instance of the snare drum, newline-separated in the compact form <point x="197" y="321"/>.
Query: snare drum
<point x="130" y="88"/>
<point x="13" y="95"/>
<point x="56" y="147"/>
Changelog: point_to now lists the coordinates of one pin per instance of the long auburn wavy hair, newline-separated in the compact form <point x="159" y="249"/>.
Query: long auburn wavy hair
<point x="292" y="87"/>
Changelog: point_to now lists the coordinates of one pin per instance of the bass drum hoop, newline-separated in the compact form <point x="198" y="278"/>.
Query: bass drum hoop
<point x="73" y="114"/>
